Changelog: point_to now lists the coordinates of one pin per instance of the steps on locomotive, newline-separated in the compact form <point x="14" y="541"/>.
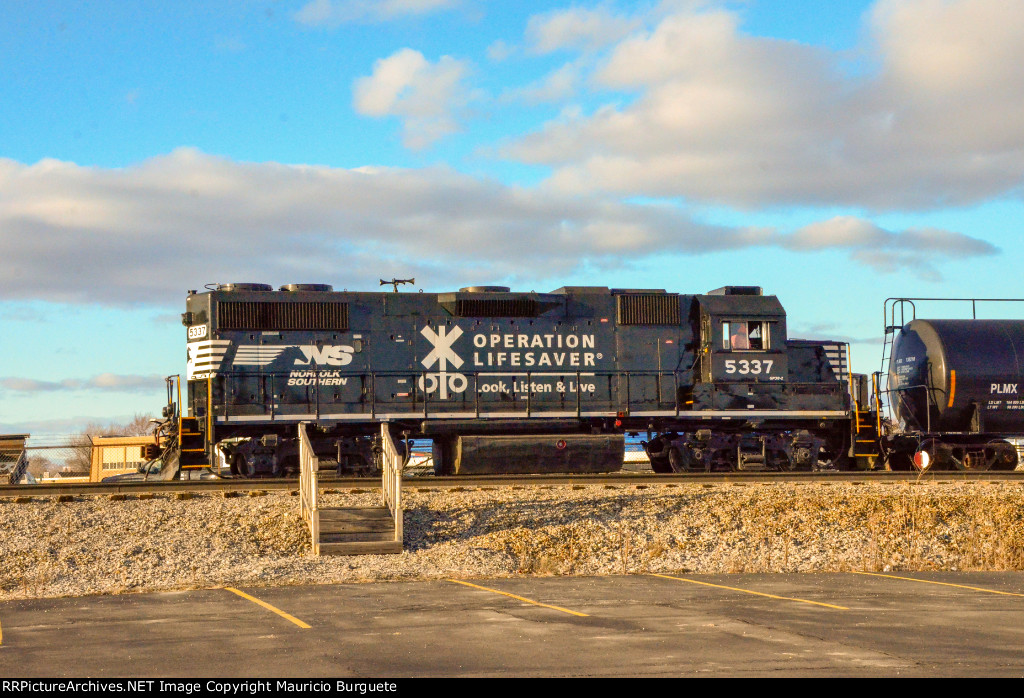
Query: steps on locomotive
<point x="193" y="444"/>
<point x="358" y="531"/>
<point x="865" y="443"/>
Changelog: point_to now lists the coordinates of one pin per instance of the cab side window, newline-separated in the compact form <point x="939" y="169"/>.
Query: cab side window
<point x="744" y="335"/>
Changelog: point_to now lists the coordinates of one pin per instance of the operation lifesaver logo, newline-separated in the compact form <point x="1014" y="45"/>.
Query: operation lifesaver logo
<point x="508" y="351"/>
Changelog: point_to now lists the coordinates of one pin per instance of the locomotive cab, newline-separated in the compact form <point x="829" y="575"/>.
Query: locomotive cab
<point x="765" y="402"/>
<point x="742" y="349"/>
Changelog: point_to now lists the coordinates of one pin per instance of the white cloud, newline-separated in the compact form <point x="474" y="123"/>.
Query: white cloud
<point x="149" y="232"/>
<point x="724" y="117"/>
<point x="554" y="87"/>
<point x="424" y="95"/>
<point x="500" y="50"/>
<point x="334" y="13"/>
<point x="916" y="250"/>
<point x="577" y="28"/>
<point x="108" y="382"/>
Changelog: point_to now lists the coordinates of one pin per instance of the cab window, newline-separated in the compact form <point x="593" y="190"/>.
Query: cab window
<point x="744" y="335"/>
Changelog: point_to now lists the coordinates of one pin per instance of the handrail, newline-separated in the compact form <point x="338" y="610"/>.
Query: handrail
<point x="309" y="466"/>
<point x="616" y="391"/>
<point x="391" y="476"/>
<point x="929" y="393"/>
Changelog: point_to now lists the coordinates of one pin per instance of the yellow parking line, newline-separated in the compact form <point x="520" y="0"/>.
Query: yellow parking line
<point x="945" y="584"/>
<point x="519" y="598"/>
<point x="267" y="606"/>
<point x="755" y="593"/>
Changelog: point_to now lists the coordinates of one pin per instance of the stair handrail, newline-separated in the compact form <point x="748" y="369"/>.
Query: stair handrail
<point x="309" y="465"/>
<point x="391" y="476"/>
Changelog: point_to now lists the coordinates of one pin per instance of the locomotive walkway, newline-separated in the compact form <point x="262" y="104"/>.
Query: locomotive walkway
<point x="353" y="530"/>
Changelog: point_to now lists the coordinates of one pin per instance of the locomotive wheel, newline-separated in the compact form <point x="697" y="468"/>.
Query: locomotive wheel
<point x="676" y="461"/>
<point x="284" y="467"/>
<point x="780" y="461"/>
<point x="241" y="467"/>
<point x="661" y="464"/>
<point x="657" y="453"/>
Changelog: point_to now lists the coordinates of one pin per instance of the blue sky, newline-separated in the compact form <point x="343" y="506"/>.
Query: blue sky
<point x="835" y="158"/>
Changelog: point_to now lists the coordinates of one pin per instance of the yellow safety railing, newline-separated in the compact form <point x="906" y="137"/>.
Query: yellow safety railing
<point x="309" y="465"/>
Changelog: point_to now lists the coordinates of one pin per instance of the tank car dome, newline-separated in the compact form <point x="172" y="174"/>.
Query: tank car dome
<point x="244" y="287"/>
<point x="485" y="289"/>
<point x="319" y="288"/>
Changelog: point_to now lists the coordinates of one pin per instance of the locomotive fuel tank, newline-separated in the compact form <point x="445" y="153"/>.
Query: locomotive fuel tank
<point x="959" y="376"/>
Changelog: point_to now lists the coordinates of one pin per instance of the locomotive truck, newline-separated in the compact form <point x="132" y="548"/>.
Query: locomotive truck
<point x="508" y="382"/>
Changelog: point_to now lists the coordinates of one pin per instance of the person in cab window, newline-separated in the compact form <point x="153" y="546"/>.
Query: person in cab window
<point x="738" y="335"/>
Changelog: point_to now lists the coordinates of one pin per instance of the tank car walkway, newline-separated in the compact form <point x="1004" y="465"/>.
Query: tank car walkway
<point x="353" y="530"/>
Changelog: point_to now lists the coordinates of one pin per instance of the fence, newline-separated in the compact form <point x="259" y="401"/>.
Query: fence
<point x="309" y="465"/>
<point x="68" y="461"/>
<point x="391" y="467"/>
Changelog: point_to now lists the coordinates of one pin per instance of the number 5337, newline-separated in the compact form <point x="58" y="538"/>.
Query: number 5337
<point x="752" y="366"/>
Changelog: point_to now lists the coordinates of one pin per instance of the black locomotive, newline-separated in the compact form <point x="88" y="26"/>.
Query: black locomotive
<point x="510" y="382"/>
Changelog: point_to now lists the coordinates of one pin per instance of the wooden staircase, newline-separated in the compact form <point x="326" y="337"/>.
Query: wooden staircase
<point x="353" y="530"/>
<point x="358" y="531"/>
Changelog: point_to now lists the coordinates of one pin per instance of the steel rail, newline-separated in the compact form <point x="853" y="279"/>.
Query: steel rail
<point x="468" y="482"/>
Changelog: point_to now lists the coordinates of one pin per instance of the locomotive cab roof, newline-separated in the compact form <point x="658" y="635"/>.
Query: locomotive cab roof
<point x="742" y="305"/>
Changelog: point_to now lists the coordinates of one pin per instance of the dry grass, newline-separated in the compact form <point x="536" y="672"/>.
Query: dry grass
<point x="98" y="545"/>
<point x="975" y="526"/>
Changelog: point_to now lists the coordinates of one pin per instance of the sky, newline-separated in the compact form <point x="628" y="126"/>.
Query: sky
<point x="835" y="154"/>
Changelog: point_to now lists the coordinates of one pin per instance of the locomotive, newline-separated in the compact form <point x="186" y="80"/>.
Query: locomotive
<point x="953" y="389"/>
<point x="510" y="382"/>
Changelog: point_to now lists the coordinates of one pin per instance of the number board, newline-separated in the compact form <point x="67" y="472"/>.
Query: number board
<point x="749" y="367"/>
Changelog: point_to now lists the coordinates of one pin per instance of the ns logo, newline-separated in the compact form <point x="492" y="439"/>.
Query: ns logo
<point x="327" y="355"/>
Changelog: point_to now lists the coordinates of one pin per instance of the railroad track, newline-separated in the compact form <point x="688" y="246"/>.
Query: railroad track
<point x="432" y="482"/>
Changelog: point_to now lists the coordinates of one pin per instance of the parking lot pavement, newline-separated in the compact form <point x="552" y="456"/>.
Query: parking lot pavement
<point x="933" y="624"/>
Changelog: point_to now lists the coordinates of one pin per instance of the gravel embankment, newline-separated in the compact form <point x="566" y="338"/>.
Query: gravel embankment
<point x="98" y="545"/>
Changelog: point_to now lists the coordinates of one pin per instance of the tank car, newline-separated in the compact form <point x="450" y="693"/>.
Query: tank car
<point x="955" y="392"/>
<point x="508" y="382"/>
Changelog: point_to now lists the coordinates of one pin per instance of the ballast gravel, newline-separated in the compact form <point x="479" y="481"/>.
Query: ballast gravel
<point x="99" y="544"/>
